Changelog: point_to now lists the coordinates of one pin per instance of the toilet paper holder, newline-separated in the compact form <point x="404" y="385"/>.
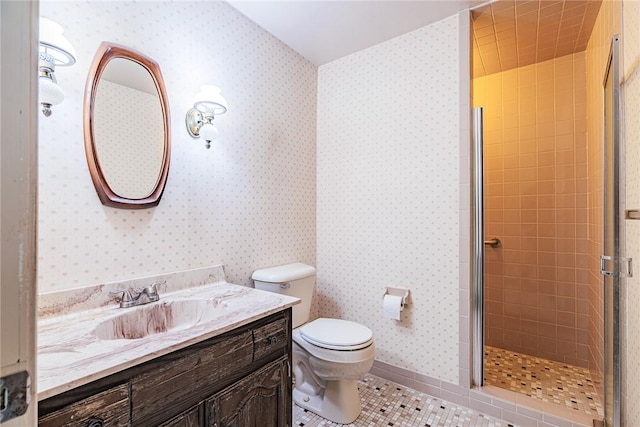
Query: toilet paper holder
<point x="400" y="292"/>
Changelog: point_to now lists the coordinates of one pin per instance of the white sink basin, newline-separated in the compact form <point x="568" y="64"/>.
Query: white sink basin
<point x="159" y="317"/>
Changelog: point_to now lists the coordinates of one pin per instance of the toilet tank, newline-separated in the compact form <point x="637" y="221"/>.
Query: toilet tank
<point x="296" y="280"/>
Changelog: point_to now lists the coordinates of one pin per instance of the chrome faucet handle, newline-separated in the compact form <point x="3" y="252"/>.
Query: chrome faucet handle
<point x="153" y="288"/>
<point x="124" y="295"/>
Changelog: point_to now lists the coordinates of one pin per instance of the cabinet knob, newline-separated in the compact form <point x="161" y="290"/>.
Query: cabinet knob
<point x="96" y="422"/>
<point x="272" y="340"/>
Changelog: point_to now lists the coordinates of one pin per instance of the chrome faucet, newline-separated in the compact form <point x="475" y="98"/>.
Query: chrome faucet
<point x="132" y="297"/>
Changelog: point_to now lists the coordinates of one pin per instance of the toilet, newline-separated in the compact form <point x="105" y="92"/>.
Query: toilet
<point x="329" y="355"/>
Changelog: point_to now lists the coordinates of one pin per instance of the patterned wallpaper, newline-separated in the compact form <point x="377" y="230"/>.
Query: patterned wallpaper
<point x="249" y="202"/>
<point x="129" y="138"/>
<point x="631" y="138"/>
<point x="388" y="194"/>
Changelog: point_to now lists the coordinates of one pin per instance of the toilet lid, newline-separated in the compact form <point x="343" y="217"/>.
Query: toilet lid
<point x="337" y="334"/>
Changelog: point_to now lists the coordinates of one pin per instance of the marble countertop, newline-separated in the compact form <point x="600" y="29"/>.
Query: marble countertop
<point x="79" y="347"/>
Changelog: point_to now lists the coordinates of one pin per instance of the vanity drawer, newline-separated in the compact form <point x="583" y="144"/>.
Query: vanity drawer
<point x="180" y="383"/>
<point x="109" y="408"/>
<point x="270" y="338"/>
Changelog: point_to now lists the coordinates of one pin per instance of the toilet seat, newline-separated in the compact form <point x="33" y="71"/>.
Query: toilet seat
<point x="337" y="334"/>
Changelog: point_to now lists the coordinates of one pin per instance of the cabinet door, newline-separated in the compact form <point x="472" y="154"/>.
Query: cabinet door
<point x="190" y="418"/>
<point x="258" y="400"/>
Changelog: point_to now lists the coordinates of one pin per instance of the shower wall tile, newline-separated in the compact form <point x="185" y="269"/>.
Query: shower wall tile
<point x="535" y="205"/>
<point x="389" y="195"/>
<point x="248" y="202"/>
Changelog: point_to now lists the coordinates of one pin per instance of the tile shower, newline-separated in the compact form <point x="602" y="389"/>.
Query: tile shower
<point x="543" y="199"/>
<point x="536" y="203"/>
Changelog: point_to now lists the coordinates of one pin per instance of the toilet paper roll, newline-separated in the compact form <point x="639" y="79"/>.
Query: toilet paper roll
<point x="391" y="306"/>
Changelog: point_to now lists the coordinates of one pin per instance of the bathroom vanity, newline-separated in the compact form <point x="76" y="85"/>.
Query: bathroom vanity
<point x="240" y="378"/>
<point x="232" y="369"/>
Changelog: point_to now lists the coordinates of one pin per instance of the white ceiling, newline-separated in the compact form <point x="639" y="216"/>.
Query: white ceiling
<point x="323" y="31"/>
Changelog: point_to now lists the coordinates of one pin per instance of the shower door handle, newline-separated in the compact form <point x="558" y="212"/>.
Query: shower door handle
<point x="603" y="265"/>
<point x="624" y="266"/>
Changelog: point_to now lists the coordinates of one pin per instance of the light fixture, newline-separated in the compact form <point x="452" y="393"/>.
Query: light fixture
<point x="55" y="50"/>
<point x="208" y="104"/>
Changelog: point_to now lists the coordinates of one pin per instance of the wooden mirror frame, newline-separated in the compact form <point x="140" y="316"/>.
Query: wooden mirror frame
<point x="106" y="52"/>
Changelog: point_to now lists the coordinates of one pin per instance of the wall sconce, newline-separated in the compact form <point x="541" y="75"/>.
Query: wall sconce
<point x="55" y="50"/>
<point x="208" y="104"/>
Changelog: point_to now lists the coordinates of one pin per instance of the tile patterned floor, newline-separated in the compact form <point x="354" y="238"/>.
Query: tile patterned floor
<point x="543" y="379"/>
<point x="385" y="403"/>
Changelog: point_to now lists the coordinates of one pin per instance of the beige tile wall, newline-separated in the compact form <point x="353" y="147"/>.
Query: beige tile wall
<point x="536" y="201"/>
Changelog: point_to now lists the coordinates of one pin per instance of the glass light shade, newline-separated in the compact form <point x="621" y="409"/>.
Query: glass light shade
<point x="209" y="132"/>
<point x="209" y="100"/>
<point x="54" y="43"/>
<point x="49" y="92"/>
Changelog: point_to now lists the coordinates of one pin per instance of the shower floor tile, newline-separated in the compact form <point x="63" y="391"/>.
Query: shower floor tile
<point x="546" y="380"/>
<point x="385" y="403"/>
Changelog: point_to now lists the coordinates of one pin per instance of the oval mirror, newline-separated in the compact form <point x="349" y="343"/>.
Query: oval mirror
<point x="126" y="128"/>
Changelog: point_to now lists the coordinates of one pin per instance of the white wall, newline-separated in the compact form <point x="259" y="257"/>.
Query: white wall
<point x="631" y="141"/>
<point x="248" y="202"/>
<point x="388" y="194"/>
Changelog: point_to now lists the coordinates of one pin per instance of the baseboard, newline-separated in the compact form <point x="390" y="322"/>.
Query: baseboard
<point x="512" y="407"/>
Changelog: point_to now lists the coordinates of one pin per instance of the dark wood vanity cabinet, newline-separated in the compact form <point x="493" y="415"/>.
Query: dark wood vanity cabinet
<point x="241" y="378"/>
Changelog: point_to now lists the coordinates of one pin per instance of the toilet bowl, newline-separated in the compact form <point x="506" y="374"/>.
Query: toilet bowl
<point x="327" y="368"/>
<point x="329" y="355"/>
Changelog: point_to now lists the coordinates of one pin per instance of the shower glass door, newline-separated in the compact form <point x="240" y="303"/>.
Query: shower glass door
<point x="611" y="260"/>
<point x="477" y="238"/>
